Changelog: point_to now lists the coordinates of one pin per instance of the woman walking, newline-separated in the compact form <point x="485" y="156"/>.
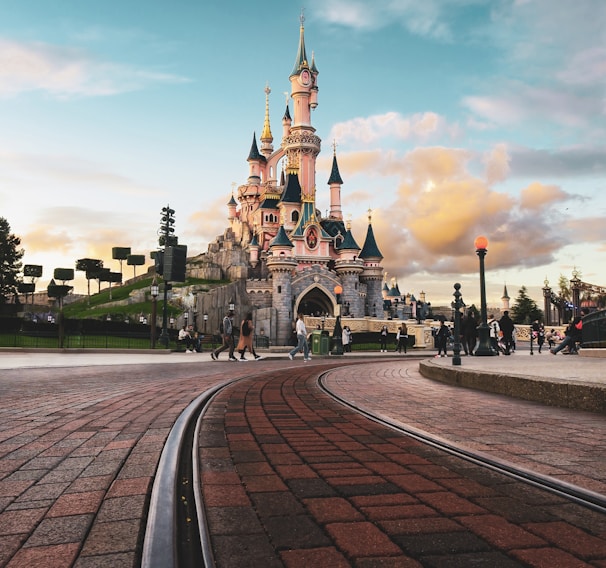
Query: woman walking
<point x="246" y="338"/>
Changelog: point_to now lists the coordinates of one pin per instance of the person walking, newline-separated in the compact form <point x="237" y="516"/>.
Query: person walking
<point x="442" y="339"/>
<point x="246" y="338"/>
<point x="470" y="333"/>
<point x="227" y="335"/>
<point x="506" y="326"/>
<point x="402" y="338"/>
<point x="302" y="344"/>
<point x="540" y="335"/>
<point x="383" y="339"/>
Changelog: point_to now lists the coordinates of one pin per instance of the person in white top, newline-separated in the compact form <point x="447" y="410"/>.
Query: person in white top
<point x="301" y="340"/>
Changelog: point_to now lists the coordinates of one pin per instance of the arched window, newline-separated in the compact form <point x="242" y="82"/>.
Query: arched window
<point x="294" y="216"/>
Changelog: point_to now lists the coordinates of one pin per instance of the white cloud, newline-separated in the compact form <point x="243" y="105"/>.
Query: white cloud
<point x="421" y="127"/>
<point x="65" y="71"/>
<point x="429" y="18"/>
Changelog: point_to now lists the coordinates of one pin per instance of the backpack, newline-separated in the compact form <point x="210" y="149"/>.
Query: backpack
<point x="245" y="328"/>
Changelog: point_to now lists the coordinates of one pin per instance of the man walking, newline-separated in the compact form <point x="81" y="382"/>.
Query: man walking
<point x="227" y="334"/>
<point x="301" y="340"/>
<point x="506" y="326"/>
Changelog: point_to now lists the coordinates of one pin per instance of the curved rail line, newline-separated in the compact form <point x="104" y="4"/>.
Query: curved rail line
<point x="176" y="530"/>
<point x="177" y="533"/>
<point x="574" y="493"/>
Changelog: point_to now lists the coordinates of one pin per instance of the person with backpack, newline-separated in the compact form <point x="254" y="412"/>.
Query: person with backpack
<point x="226" y="329"/>
<point x="246" y="338"/>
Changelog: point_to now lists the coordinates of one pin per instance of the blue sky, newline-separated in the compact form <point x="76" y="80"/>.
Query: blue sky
<point x="452" y="118"/>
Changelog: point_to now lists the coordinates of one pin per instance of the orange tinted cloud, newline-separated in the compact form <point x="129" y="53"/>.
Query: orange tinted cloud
<point x="537" y="195"/>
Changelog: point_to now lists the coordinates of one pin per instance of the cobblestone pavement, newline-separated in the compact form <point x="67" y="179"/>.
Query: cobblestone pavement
<point x="292" y="478"/>
<point x="79" y="446"/>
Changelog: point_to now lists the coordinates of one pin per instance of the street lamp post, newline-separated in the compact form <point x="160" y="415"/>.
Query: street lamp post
<point x="323" y="321"/>
<point x="164" y="337"/>
<point x="154" y="294"/>
<point x="205" y="317"/>
<point x="484" y="346"/>
<point x="337" y="334"/>
<point x="457" y="305"/>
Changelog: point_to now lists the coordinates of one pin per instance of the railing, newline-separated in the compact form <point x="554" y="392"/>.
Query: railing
<point x="594" y="329"/>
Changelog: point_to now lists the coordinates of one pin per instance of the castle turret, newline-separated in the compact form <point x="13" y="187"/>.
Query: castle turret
<point x="335" y="182"/>
<point x="281" y="265"/>
<point x="232" y="204"/>
<point x="253" y="249"/>
<point x="373" y="272"/>
<point x="349" y="268"/>
<point x="302" y="146"/>
<point x="286" y="121"/>
<point x="255" y="159"/>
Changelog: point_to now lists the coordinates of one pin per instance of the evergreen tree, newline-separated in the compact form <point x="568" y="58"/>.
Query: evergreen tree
<point x="525" y="309"/>
<point x="10" y="261"/>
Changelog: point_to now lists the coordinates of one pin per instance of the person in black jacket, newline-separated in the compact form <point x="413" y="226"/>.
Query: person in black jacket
<point x="574" y="335"/>
<point x="506" y="325"/>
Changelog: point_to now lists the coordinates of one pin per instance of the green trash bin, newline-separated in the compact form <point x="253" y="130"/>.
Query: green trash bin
<point x="320" y="342"/>
<point x="316" y="341"/>
<point x="324" y="342"/>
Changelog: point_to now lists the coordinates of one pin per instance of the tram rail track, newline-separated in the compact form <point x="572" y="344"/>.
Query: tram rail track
<point x="177" y="532"/>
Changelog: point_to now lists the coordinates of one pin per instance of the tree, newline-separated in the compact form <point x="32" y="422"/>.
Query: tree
<point x="10" y="261"/>
<point x="91" y="267"/>
<point x="525" y="309"/>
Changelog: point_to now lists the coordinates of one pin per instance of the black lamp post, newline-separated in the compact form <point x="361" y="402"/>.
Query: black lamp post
<point x="337" y="334"/>
<point x="457" y="305"/>
<point x="323" y="321"/>
<point x="531" y="338"/>
<point x="484" y="346"/>
<point x="205" y="317"/>
<point x="154" y="294"/>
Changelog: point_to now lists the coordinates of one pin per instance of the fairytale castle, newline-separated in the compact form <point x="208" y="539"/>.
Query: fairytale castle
<point x="283" y="254"/>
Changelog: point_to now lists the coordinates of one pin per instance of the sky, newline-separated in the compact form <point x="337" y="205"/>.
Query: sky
<point x="451" y="119"/>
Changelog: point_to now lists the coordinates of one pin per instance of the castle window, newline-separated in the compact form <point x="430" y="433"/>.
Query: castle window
<point x="294" y="216"/>
<point x="279" y="289"/>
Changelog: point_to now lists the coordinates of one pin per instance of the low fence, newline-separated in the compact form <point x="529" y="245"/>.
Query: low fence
<point x="594" y="330"/>
<point x="96" y="334"/>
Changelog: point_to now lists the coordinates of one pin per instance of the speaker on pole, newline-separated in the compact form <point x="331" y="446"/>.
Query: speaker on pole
<point x="175" y="261"/>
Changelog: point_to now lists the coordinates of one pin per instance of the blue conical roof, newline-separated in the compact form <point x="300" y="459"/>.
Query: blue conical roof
<point x="292" y="192"/>
<point x="254" y="153"/>
<point x="370" y="248"/>
<point x="349" y="242"/>
<point x="335" y="176"/>
<point x="281" y="239"/>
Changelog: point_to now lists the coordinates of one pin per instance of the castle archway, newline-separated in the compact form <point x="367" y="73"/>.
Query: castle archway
<point x="314" y="302"/>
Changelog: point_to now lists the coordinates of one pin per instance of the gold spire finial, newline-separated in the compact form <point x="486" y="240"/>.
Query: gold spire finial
<point x="266" y="135"/>
<point x="334" y="147"/>
<point x="348" y="224"/>
<point x="233" y="187"/>
<point x="369" y="215"/>
<point x="302" y="16"/>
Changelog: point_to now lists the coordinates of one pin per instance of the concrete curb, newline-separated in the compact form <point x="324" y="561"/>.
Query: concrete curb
<point x="567" y="394"/>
